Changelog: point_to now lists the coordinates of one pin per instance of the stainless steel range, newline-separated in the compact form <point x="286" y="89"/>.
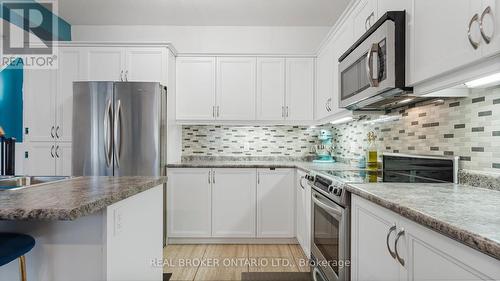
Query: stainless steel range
<point x="330" y="222"/>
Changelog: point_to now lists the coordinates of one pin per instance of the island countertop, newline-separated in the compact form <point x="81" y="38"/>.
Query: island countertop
<point x="72" y="198"/>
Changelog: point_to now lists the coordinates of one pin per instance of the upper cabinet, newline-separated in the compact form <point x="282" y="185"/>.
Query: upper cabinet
<point x="270" y="88"/>
<point x="126" y="64"/>
<point x="443" y="42"/>
<point x="195" y="91"/>
<point x="246" y="89"/>
<point x="299" y="101"/>
<point x="236" y="84"/>
<point x="364" y="16"/>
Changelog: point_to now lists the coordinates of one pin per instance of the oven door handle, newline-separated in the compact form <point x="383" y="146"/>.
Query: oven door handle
<point x="332" y="211"/>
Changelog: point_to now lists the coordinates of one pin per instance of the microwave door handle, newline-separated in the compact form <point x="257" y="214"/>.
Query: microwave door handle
<point x="332" y="211"/>
<point x="369" y="65"/>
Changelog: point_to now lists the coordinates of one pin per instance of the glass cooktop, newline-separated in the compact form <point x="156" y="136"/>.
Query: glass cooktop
<point x="373" y="176"/>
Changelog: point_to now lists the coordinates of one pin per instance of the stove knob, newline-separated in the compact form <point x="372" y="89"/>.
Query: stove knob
<point x="331" y="189"/>
<point x="337" y="191"/>
<point x="309" y="177"/>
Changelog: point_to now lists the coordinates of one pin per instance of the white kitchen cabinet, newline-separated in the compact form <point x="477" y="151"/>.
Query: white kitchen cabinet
<point x="275" y="203"/>
<point x="303" y="212"/>
<point x="146" y="64"/>
<point x="233" y="203"/>
<point x="299" y="89"/>
<point x="40" y="102"/>
<point x="394" y="5"/>
<point x="370" y="228"/>
<point x="325" y="64"/>
<point x="195" y="93"/>
<point x="41" y="159"/>
<point x="105" y="64"/>
<point x="270" y="88"/>
<point x="364" y="16"/>
<point x="236" y="88"/>
<point x="63" y="158"/>
<point x="189" y="203"/>
<point x="70" y="70"/>
<point x="424" y="254"/>
<point x="439" y="36"/>
<point x="491" y="27"/>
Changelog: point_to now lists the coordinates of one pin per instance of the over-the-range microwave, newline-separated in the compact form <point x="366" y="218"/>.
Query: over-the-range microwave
<point x="372" y="71"/>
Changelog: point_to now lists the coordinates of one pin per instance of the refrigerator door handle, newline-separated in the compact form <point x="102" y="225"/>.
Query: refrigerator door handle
<point x="107" y="133"/>
<point x="118" y="132"/>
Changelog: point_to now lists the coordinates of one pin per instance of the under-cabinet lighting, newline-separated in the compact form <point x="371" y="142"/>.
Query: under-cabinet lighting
<point x="484" y="81"/>
<point x="341" y="120"/>
<point x="406" y="100"/>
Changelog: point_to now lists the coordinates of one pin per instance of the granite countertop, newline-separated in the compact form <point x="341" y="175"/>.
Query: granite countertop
<point x="72" y="198"/>
<point x="302" y="165"/>
<point x="467" y="214"/>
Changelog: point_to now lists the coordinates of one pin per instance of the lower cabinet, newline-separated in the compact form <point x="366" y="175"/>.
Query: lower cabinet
<point x="230" y="203"/>
<point x="275" y="203"/>
<point x="233" y="202"/>
<point x="48" y="159"/>
<point x="386" y="246"/>
<point x="189" y="203"/>
<point x="303" y="212"/>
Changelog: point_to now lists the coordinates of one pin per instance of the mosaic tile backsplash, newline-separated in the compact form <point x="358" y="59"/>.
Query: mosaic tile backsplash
<point x="464" y="127"/>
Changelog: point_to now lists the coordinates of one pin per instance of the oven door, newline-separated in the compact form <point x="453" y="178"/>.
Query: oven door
<point x="369" y="69"/>
<point x="330" y="237"/>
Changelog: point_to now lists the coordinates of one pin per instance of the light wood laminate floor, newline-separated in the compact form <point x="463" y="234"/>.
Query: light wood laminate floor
<point x="227" y="262"/>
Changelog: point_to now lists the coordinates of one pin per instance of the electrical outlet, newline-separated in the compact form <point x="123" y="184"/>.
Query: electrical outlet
<point x="118" y="222"/>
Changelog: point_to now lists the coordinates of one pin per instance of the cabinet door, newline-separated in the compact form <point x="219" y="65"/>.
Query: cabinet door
<point x="370" y="258"/>
<point x="189" y="203"/>
<point x="275" y="203"/>
<point x="69" y="71"/>
<point x="439" y="40"/>
<point x="236" y="85"/>
<point x="146" y="64"/>
<point x="233" y="203"/>
<point x="325" y="80"/>
<point x="270" y="88"/>
<point x="364" y="16"/>
<point x="41" y="159"/>
<point x="300" y="89"/>
<point x="40" y="94"/>
<point x="195" y="93"/>
<point x="491" y="27"/>
<point x="432" y="256"/>
<point x="105" y="64"/>
<point x="303" y="213"/>
<point x="63" y="159"/>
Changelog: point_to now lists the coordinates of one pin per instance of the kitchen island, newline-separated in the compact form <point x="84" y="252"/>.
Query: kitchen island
<point x="88" y="228"/>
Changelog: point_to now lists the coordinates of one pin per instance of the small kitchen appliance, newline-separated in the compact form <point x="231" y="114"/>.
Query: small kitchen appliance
<point x="325" y="148"/>
<point x="330" y="222"/>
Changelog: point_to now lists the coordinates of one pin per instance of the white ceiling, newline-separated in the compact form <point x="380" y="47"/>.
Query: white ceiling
<point x="202" y="12"/>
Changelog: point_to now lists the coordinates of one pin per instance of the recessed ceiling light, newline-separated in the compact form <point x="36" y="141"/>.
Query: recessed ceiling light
<point x="484" y="81"/>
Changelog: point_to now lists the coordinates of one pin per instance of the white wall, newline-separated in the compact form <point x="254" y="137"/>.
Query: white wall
<point x="213" y="39"/>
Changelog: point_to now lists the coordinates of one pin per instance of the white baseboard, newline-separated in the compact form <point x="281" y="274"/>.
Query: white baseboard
<point x="173" y="241"/>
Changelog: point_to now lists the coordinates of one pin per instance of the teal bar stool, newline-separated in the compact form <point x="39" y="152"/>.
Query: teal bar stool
<point x="15" y="246"/>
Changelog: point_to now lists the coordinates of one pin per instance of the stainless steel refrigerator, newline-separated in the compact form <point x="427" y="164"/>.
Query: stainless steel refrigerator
<point x="119" y="129"/>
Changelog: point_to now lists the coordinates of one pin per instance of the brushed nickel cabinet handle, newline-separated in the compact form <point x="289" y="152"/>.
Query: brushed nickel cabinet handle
<point x="52" y="131"/>
<point x="126" y="75"/>
<point x="209" y="175"/>
<point x="121" y="76"/>
<point x="213" y="177"/>
<point x="217" y="111"/>
<point x="474" y="44"/>
<point x="57" y="151"/>
<point x="393" y="227"/>
<point x="486" y="38"/>
<point x="57" y="132"/>
<point x="287" y="111"/>
<point x="400" y="259"/>
<point x="52" y="151"/>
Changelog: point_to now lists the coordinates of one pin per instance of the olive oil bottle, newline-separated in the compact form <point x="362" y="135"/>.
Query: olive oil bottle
<point x="371" y="152"/>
